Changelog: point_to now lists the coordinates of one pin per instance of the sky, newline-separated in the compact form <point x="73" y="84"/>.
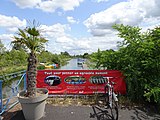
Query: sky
<point x="77" y="26"/>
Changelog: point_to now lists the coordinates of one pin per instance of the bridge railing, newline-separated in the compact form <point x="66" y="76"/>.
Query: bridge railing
<point x="12" y="75"/>
<point x="10" y="100"/>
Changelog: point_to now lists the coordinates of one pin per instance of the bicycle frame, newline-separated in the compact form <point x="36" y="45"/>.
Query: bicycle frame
<point x="109" y="89"/>
<point x="111" y="101"/>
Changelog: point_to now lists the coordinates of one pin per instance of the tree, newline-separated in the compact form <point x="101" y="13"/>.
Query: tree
<point x="2" y="48"/>
<point x="85" y="55"/>
<point x="96" y="58"/>
<point x="65" y="53"/>
<point x="139" y="59"/>
<point x="31" y="38"/>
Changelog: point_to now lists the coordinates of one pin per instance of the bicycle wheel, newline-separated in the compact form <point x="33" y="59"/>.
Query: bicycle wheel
<point x="104" y="117"/>
<point x="106" y="97"/>
<point x="114" y="110"/>
<point x="100" y="100"/>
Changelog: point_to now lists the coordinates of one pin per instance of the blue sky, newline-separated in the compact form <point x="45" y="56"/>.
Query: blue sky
<point x="77" y="26"/>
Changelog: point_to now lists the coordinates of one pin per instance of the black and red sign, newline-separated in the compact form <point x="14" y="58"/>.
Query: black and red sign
<point x="79" y="81"/>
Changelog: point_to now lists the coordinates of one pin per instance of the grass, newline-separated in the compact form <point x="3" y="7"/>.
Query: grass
<point x="71" y="100"/>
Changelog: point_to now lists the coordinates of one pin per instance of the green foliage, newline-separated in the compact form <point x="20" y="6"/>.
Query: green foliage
<point x="32" y="40"/>
<point x="12" y="61"/>
<point x="138" y="57"/>
<point x="96" y="58"/>
<point x="65" y="53"/>
<point x="85" y="55"/>
<point x="16" y="60"/>
<point x="140" y="61"/>
<point x="102" y="59"/>
<point x="2" y="48"/>
<point x="50" y="58"/>
<point x="41" y="67"/>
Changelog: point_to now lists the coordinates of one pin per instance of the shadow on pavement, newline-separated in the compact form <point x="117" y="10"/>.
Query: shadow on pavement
<point x="19" y="116"/>
<point x="144" y="114"/>
<point x="83" y="113"/>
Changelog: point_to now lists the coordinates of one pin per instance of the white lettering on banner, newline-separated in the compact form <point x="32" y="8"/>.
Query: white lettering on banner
<point x="101" y="73"/>
<point x="86" y="73"/>
<point x="48" y="73"/>
<point x="57" y="73"/>
<point x="75" y="87"/>
<point x="68" y="73"/>
<point x="76" y="73"/>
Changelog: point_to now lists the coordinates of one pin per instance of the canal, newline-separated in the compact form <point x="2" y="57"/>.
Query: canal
<point x="72" y="65"/>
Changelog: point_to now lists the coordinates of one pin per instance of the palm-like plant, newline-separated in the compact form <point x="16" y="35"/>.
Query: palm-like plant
<point x="31" y="39"/>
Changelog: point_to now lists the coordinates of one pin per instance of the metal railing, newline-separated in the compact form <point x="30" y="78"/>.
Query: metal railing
<point x="8" y="101"/>
<point x="12" y="75"/>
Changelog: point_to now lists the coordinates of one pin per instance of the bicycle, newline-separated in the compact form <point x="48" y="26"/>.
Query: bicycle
<point x="106" y="108"/>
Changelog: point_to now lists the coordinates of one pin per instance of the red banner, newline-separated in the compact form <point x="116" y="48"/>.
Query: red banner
<point x="79" y="81"/>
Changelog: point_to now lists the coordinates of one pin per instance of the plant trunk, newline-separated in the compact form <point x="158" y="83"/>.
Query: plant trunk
<point x="31" y="75"/>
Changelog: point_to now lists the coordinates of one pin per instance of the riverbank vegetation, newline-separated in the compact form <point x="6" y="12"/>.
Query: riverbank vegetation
<point x="16" y="59"/>
<point x="138" y="57"/>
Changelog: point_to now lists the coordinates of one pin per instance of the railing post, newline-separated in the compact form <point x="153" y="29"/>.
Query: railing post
<point x="1" y="98"/>
<point x="25" y="82"/>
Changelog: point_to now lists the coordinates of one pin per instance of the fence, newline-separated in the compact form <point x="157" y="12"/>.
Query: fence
<point x="8" y="94"/>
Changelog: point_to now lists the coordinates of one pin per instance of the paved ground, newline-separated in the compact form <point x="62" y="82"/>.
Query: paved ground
<point x="83" y="113"/>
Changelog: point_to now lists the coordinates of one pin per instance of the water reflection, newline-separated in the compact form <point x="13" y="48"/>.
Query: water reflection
<point x="72" y="65"/>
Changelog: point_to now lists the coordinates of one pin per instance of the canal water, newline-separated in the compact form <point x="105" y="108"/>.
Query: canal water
<point x="72" y="65"/>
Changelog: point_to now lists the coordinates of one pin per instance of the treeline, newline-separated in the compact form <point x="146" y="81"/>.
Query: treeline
<point x="49" y="58"/>
<point x="16" y="60"/>
<point x="138" y="57"/>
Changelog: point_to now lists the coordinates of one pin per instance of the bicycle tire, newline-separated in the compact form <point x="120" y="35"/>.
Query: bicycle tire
<point x="100" y="100"/>
<point x="106" y="97"/>
<point x="104" y="117"/>
<point x="114" y="110"/>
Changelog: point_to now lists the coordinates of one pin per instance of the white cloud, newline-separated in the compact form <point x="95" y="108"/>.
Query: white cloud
<point x="99" y="1"/>
<point x="150" y="23"/>
<point x="132" y="12"/>
<point x="102" y="1"/>
<point x="58" y="38"/>
<point x="48" y="5"/>
<point x="54" y="31"/>
<point x="60" y="41"/>
<point x="6" y="37"/>
<point x="26" y="3"/>
<point x="11" y="22"/>
<point x="6" y="40"/>
<point x="8" y="26"/>
<point x="150" y="8"/>
<point x="71" y="20"/>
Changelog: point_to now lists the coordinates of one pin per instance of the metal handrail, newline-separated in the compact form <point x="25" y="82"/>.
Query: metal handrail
<point x="15" y="90"/>
<point x="13" y="75"/>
